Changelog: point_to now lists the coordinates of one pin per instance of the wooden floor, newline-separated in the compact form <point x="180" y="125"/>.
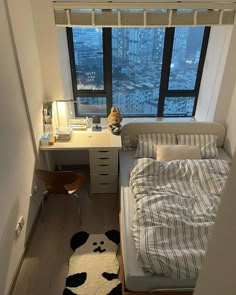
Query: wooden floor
<point x="44" y="267"/>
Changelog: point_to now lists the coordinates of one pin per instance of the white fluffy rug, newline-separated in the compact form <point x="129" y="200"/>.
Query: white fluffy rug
<point x="93" y="268"/>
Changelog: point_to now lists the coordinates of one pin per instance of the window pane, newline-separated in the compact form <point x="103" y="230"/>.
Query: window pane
<point x="179" y="106"/>
<point x="185" y="58"/>
<point x="88" y="51"/>
<point x="136" y="69"/>
<point x="89" y="106"/>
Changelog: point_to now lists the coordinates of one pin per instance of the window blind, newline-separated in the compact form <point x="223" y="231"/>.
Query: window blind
<point x="139" y="14"/>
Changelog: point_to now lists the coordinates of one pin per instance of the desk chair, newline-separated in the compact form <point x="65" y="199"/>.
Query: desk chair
<point x="61" y="182"/>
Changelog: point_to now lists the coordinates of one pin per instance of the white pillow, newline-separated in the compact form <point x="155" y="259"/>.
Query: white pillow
<point x="146" y="147"/>
<point x="206" y="142"/>
<point x="177" y="152"/>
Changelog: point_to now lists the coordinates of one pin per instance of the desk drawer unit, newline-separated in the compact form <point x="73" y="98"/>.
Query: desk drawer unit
<point x="104" y="170"/>
<point x="104" y="183"/>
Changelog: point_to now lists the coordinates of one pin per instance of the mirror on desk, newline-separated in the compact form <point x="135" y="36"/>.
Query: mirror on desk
<point x="96" y="120"/>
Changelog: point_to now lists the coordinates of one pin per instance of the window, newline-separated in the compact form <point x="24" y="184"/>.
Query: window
<point x="88" y="59"/>
<point x="143" y="71"/>
<point x="136" y="69"/>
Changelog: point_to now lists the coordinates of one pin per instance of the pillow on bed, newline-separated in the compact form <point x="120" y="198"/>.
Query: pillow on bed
<point x="146" y="147"/>
<point x="206" y="142"/>
<point x="177" y="152"/>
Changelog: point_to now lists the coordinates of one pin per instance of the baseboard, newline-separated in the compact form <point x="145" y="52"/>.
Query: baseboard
<point x="12" y="285"/>
<point x="14" y="279"/>
<point x="33" y="226"/>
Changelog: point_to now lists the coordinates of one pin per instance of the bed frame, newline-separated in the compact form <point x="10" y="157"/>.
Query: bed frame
<point x="132" y="130"/>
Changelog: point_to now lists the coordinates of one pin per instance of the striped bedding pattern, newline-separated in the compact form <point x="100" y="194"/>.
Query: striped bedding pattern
<point x="206" y="142"/>
<point x="176" y="205"/>
<point x="147" y="142"/>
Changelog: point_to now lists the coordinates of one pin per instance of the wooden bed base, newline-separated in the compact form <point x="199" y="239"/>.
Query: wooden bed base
<point x="153" y="292"/>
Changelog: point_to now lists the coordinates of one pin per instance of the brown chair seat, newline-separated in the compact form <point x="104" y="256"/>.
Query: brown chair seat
<point x="61" y="182"/>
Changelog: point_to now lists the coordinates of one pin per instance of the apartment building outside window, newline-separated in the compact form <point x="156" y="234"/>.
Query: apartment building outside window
<point x="144" y="71"/>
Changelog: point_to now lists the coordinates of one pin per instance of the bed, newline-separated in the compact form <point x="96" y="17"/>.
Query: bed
<point x="137" y="279"/>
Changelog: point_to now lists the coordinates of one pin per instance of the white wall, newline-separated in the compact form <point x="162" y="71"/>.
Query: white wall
<point x="17" y="156"/>
<point x="226" y="103"/>
<point x="64" y="62"/>
<point x="217" y="96"/>
<point x="230" y="122"/>
<point x="230" y="140"/>
<point x="213" y="73"/>
<point x="29" y="63"/>
<point x="217" y="276"/>
<point x="47" y="43"/>
<point x="228" y="81"/>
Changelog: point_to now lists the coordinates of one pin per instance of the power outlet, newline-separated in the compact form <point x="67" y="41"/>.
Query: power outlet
<point x="21" y="221"/>
<point x="17" y="230"/>
<point x="19" y="226"/>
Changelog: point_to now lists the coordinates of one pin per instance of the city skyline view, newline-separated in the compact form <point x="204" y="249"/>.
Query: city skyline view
<point x="137" y="60"/>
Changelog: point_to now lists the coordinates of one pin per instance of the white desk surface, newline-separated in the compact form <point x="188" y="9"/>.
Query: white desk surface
<point x="86" y="140"/>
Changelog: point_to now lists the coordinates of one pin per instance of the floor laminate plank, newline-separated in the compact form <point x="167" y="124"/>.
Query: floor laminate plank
<point x="45" y="264"/>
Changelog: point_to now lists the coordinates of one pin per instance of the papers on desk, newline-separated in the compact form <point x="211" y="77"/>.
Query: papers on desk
<point x="79" y="123"/>
<point x="63" y="133"/>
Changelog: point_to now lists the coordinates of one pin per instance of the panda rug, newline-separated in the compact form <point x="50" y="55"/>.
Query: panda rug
<point x="93" y="268"/>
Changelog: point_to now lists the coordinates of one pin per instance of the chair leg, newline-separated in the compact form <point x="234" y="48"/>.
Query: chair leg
<point x="45" y="194"/>
<point x="78" y="207"/>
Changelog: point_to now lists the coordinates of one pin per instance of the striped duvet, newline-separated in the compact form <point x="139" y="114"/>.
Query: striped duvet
<point x="176" y="205"/>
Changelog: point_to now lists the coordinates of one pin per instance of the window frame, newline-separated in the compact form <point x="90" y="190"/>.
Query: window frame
<point x="164" y="92"/>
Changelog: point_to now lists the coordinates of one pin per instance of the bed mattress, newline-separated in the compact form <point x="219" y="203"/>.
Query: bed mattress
<point x="135" y="279"/>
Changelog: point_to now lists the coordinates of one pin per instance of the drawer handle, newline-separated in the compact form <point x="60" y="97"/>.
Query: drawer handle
<point x="103" y="165"/>
<point x="104" y="183"/>
<point x="104" y="174"/>
<point x="103" y="151"/>
<point x="103" y="158"/>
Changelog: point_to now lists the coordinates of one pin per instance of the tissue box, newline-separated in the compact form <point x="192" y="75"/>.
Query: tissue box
<point x="45" y="138"/>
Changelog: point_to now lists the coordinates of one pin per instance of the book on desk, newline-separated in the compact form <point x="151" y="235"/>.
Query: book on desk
<point x="63" y="133"/>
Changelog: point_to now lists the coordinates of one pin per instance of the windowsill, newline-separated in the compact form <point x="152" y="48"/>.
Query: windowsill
<point x="148" y="119"/>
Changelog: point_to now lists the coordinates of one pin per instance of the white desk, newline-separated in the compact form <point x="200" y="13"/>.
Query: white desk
<point x="103" y="150"/>
<point x="86" y="140"/>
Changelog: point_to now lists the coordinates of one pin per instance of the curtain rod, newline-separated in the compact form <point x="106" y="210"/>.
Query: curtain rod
<point x="167" y="18"/>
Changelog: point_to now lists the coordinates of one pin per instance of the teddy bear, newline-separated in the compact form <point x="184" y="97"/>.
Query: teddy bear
<point x="114" y="119"/>
<point x="93" y="268"/>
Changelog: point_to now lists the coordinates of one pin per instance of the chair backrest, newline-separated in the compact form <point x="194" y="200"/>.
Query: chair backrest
<point x="55" y="181"/>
